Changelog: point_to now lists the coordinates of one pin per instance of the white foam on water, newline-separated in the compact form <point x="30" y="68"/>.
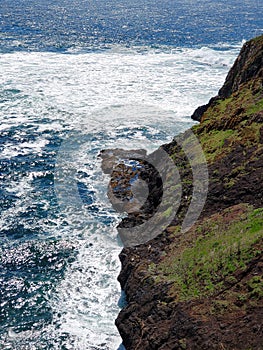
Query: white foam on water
<point x="89" y="294"/>
<point x="72" y="86"/>
<point x="125" y="98"/>
<point x="24" y="148"/>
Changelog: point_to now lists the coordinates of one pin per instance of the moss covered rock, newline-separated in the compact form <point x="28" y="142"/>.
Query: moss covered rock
<point x="203" y="289"/>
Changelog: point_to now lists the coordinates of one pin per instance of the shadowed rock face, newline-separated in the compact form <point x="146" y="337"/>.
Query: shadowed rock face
<point x="203" y="289"/>
<point x="248" y="66"/>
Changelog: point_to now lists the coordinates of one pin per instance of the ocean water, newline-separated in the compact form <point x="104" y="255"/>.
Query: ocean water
<point x="77" y="77"/>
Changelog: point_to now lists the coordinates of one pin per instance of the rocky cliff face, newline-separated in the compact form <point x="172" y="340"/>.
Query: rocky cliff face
<point x="203" y="289"/>
<point x="247" y="67"/>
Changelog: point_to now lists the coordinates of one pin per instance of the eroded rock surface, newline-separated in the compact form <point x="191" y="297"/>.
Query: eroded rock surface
<point x="204" y="289"/>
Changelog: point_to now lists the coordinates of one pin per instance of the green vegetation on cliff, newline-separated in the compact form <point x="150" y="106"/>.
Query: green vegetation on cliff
<point x="203" y="261"/>
<point x="213" y="255"/>
<point x="203" y="289"/>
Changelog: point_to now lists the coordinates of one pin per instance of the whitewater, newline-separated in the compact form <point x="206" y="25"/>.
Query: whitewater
<point x="58" y="110"/>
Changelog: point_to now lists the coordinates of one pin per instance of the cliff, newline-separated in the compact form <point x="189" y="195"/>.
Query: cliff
<point x="203" y="289"/>
<point x="248" y="66"/>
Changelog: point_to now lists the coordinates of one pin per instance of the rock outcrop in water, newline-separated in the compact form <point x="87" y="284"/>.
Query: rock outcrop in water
<point x="203" y="289"/>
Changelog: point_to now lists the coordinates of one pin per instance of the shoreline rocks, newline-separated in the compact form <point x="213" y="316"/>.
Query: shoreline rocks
<point x="203" y="289"/>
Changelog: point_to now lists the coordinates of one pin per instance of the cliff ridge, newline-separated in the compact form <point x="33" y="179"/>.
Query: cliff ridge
<point x="203" y="289"/>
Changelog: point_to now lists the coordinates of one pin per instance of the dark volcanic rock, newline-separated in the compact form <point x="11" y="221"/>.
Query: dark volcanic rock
<point x="203" y="289"/>
<point x="248" y="66"/>
<point x="199" y="112"/>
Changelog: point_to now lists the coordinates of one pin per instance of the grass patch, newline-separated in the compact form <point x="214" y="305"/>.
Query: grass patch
<point x="168" y="212"/>
<point x="203" y="266"/>
<point x="257" y="107"/>
<point x="223" y="104"/>
<point x="255" y="287"/>
<point x="232" y="111"/>
<point x="213" y="142"/>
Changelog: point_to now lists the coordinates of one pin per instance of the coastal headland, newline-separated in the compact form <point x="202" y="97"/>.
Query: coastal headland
<point x="201" y="289"/>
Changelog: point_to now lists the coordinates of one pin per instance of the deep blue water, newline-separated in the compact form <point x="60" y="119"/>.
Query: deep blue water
<point x="61" y="61"/>
<point x="59" y="25"/>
